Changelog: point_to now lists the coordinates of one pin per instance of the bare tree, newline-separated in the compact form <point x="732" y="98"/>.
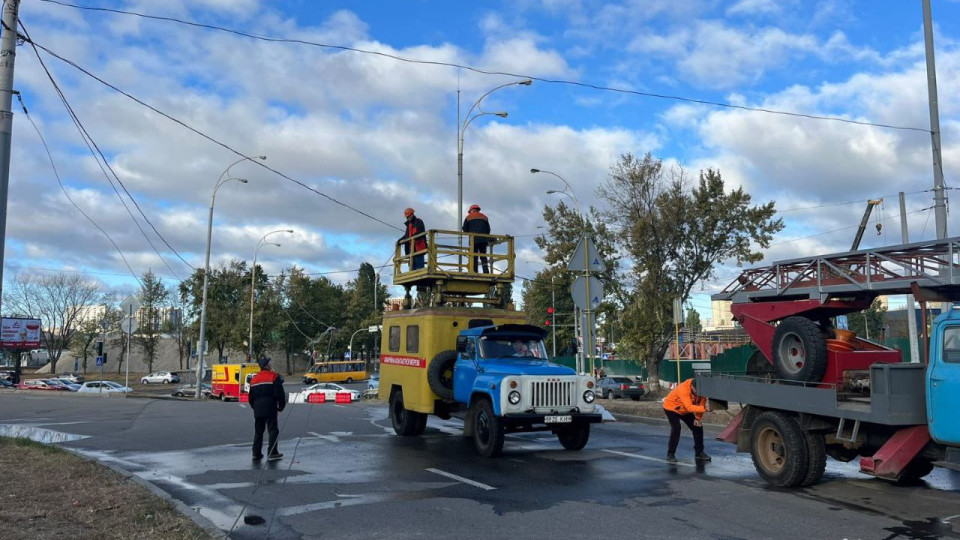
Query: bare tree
<point x="58" y="300"/>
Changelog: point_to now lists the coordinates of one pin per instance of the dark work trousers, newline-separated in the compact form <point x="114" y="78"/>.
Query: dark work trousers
<point x="688" y="419"/>
<point x="270" y="424"/>
<point x="481" y="249"/>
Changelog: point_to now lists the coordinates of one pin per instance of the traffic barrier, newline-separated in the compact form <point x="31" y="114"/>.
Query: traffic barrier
<point x="342" y="397"/>
<point x="244" y="398"/>
<point x="316" y="398"/>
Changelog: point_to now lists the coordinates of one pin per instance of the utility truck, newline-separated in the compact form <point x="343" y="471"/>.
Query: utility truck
<point x="812" y="390"/>
<point x="447" y="357"/>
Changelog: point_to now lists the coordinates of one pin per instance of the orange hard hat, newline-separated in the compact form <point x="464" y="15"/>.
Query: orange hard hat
<point x="408" y="212"/>
<point x="474" y="207"/>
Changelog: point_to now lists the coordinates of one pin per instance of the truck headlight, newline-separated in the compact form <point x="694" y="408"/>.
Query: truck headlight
<point x="589" y="396"/>
<point x="513" y="397"/>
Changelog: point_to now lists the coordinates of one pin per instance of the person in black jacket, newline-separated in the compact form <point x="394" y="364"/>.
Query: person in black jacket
<point x="267" y="398"/>
<point x="414" y="226"/>
<point x="476" y="222"/>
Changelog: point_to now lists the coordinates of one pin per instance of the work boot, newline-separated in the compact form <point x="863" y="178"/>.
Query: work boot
<point x="702" y="456"/>
<point x="275" y="457"/>
<point x="671" y="458"/>
<point x="258" y="457"/>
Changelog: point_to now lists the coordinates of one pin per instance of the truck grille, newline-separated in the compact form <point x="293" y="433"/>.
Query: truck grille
<point x="552" y="394"/>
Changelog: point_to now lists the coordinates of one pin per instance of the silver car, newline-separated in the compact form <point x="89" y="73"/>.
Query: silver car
<point x="162" y="377"/>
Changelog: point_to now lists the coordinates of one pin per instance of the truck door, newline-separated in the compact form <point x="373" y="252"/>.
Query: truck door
<point x="465" y="371"/>
<point x="943" y="387"/>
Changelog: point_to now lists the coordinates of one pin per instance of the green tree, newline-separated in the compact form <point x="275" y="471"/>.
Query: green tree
<point x="675" y="232"/>
<point x="228" y="304"/>
<point x="363" y="310"/>
<point x="869" y="323"/>
<point x="692" y="321"/>
<point x="154" y="296"/>
<point x="312" y="312"/>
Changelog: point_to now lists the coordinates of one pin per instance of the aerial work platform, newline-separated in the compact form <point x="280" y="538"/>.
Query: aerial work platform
<point x="449" y="271"/>
<point x="867" y="273"/>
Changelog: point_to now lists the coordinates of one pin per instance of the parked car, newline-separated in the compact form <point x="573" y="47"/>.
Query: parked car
<point x="71" y="377"/>
<point x="373" y="383"/>
<point x="97" y="387"/>
<point x="65" y="384"/>
<point x="190" y="390"/>
<point x="330" y="391"/>
<point x="38" y="384"/>
<point x="614" y="387"/>
<point x="162" y="377"/>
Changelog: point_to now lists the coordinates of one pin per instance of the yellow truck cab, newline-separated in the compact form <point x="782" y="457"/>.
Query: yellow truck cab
<point x="435" y="359"/>
<point x="227" y="380"/>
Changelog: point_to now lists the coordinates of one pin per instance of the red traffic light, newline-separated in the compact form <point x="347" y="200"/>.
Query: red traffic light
<point x="547" y="322"/>
<point x="550" y="310"/>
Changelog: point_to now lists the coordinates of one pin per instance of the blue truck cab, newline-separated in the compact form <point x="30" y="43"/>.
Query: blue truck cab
<point x="943" y="380"/>
<point x="506" y="382"/>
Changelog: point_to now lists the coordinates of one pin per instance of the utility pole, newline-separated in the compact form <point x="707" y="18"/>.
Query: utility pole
<point x="911" y="306"/>
<point x="939" y="198"/>
<point x="8" y="54"/>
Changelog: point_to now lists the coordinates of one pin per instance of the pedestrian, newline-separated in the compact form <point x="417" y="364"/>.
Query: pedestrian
<point x="478" y="224"/>
<point x="683" y="403"/>
<point x="267" y="399"/>
<point x="413" y="227"/>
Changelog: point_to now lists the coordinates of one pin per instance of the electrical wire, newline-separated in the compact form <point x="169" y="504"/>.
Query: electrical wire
<point x="56" y="174"/>
<point x="490" y="72"/>
<point x="102" y="161"/>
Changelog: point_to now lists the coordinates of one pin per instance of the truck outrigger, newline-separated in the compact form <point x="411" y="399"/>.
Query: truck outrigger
<point x="483" y="364"/>
<point x="811" y="390"/>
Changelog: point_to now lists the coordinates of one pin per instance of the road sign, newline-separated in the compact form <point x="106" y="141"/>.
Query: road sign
<point x="99" y="360"/>
<point x="585" y="257"/>
<point x="130" y="305"/>
<point x="580" y="296"/>
<point x="129" y="325"/>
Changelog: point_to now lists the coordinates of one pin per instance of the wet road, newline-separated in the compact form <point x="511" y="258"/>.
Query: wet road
<point x="346" y="475"/>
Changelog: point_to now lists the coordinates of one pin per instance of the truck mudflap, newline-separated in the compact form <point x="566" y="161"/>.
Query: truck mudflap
<point x="550" y="420"/>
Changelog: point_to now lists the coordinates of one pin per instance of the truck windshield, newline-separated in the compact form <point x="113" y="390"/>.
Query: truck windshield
<point x="519" y="347"/>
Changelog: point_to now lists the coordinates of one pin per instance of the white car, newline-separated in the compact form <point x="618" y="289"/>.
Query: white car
<point x="164" y="377"/>
<point x="103" y="387"/>
<point x="329" y="390"/>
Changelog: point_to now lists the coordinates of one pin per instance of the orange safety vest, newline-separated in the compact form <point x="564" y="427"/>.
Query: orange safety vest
<point x="681" y="401"/>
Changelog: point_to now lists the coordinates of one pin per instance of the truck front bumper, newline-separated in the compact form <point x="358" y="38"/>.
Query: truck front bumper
<point x="523" y="421"/>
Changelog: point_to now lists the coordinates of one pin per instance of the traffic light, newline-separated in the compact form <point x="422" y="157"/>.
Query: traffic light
<point x="99" y="348"/>
<point x="549" y="313"/>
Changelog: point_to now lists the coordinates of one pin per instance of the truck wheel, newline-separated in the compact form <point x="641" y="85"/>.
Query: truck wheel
<point x="487" y="429"/>
<point x="779" y="449"/>
<point x="799" y="350"/>
<point x="915" y="470"/>
<point x="816" y="459"/>
<point x="574" y="437"/>
<point x="440" y="374"/>
<point x="405" y="423"/>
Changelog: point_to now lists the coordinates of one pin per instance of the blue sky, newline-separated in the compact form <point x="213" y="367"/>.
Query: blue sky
<point x="380" y="134"/>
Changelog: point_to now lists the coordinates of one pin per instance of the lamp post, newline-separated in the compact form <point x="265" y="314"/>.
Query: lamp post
<point x="565" y="191"/>
<point x="224" y="178"/>
<point x="253" y="281"/>
<point x="350" y="347"/>
<point x="460" y="134"/>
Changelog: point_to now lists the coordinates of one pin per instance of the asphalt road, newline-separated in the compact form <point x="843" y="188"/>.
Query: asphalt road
<point x="345" y="474"/>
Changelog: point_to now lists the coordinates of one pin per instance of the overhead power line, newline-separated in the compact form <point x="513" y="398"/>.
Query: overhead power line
<point x="490" y="72"/>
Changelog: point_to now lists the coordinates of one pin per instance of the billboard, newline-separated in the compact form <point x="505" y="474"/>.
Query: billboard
<point x="18" y="333"/>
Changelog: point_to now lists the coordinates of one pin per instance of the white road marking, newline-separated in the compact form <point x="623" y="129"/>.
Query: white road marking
<point x="947" y="519"/>
<point x="468" y="481"/>
<point x="648" y="458"/>
<point x="331" y="438"/>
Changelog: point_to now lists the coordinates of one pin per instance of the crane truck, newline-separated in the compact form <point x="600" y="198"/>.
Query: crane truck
<point x="811" y="390"/>
<point x="464" y="351"/>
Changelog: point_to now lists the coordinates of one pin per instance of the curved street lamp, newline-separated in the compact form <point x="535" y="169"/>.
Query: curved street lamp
<point x="460" y="134"/>
<point x="564" y="190"/>
<point x="253" y="281"/>
<point x="224" y="178"/>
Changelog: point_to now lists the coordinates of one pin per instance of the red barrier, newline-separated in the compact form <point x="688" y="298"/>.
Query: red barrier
<point x="342" y="397"/>
<point x="244" y="398"/>
<point x="316" y="398"/>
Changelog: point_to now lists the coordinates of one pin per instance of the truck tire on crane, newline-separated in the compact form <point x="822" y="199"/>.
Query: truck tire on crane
<point x="487" y="429"/>
<point x="816" y="458"/>
<point x="405" y="423"/>
<point x="574" y="437"/>
<point x="440" y="373"/>
<point x="799" y="350"/>
<point x="778" y="447"/>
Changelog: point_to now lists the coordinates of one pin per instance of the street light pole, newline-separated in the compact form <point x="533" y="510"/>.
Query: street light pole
<point x="253" y="283"/>
<point x="206" y="270"/>
<point x="460" y="134"/>
<point x="350" y="347"/>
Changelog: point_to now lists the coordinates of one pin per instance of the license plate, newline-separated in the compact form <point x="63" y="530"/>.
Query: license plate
<point x="564" y="419"/>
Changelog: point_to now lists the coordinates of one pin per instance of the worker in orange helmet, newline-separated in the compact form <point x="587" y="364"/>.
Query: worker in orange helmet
<point x="683" y="403"/>
<point x="412" y="228"/>
<point x="478" y="224"/>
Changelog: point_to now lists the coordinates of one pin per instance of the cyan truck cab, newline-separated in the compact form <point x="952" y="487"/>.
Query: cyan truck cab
<point x="943" y="379"/>
<point x="504" y="377"/>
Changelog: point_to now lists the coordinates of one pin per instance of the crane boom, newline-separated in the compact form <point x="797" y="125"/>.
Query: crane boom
<point x="863" y="223"/>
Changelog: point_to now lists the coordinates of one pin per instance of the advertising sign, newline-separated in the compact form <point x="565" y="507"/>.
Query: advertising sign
<point x="20" y="333"/>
